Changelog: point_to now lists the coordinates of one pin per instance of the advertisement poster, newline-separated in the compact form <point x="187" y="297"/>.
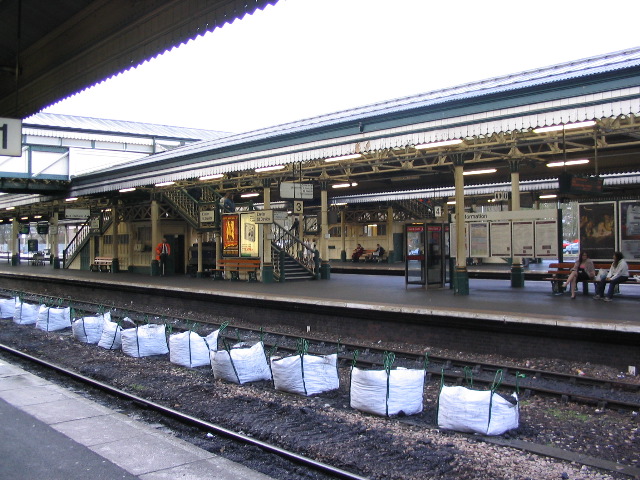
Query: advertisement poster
<point x="597" y="229"/>
<point x="249" y="236"/>
<point x="630" y="230"/>
<point x="522" y="239"/>
<point x="500" y="236"/>
<point x="230" y="235"/>
<point x="546" y="239"/>
<point x="479" y="239"/>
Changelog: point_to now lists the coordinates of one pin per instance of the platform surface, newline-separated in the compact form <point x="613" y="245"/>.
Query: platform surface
<point x="487" y="299"/>
<point x="50" y="433"/>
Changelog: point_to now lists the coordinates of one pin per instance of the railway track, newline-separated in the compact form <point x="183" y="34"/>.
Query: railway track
<point x="456" y="371"/>
<point x="603" y="393"/>
<point x="186" y="419"/>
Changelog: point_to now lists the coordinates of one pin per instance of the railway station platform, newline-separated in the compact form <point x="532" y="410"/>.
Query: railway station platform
<point x="382" y="287"/>
<point x="52" y="433"/>
<point x="526" y="322"/>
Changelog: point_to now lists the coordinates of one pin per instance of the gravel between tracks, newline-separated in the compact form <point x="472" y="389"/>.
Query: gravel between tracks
<point x="327" y="429"/>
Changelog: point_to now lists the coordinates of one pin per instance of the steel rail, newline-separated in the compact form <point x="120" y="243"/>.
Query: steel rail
<point x="169" y="412"/>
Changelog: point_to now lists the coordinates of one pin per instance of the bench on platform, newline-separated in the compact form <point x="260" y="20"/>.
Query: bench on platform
<point x="37" y="259"/>
<point x="559" y="272"/>
<point x="102" y="264"/>
<point x="236" y="266"/>
<point x="370" y="257"/>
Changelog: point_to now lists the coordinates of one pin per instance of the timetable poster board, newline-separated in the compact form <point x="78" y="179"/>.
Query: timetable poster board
<point x="500" y="239"/>
<point x="249" y="236"/>
<point x="454" y="240"/>
<point x="231" y="235"/>
<point x="479" y="239"/>
<point x="522" y="238"/>
<point x="597" y="229"/>
<point x="546" y="237"/>
<point x="630" y="229"/>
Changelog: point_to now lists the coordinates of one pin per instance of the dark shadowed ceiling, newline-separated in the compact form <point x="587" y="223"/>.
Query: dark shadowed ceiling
<point x="52" y="49"/>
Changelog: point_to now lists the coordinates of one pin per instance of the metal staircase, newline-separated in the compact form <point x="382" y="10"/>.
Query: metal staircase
<point x="81" y="238"/>
<point x="415" y="208"/>
<point x="292" y="259"/>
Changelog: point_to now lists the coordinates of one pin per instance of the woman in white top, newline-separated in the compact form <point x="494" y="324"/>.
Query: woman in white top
<point x="618" y="273"/>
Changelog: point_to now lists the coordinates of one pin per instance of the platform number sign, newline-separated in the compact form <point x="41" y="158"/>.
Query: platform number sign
<point x="10" y="137"/>
<point x="298" y="207"/>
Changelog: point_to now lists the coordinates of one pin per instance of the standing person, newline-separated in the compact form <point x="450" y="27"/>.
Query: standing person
<point x="227" y="204"/>
<point x="295" y="227"/>
<point x="582" y="271"/>
<point x="163" y="250"/>
<point x="618" y="273"/>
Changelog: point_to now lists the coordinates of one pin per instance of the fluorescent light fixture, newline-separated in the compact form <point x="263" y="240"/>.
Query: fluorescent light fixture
<point x="71" y="199"/>
<point x="10" y="208"/>
<point x="451" y="202"/>
<point x="550" y="195"/>
<point x="269" y="169"/>
<point x="339" y="204"/>
<point x="164" y="184"/>
<point x="247" y="195"/>
<point x="125" y="190"/>
<point x="443" y="143"/>
<point x="566" y="126"/>
<point x="37" y="217"/>
<point x="344" y="185"/>
<point x="480" y="172"/>
<point x="24" y="218"/>
<point x="351" y="156"/>
<point x="582" y="161"/>
<point x="211" y="177"/>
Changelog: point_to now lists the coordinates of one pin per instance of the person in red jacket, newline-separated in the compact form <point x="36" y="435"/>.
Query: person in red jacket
<point x="163" y="250"/>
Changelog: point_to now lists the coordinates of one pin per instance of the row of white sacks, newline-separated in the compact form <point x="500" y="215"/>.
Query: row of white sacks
<point x="382" y="392"/>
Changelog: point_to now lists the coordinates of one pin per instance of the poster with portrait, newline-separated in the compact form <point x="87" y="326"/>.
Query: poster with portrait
<point x="597" y="231"/>
<point x="249" y="236"/>
<point x="630" y="229"/>
<point x="230" y="235"/>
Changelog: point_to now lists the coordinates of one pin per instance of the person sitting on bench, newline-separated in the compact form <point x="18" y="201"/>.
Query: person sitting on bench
<point x="618" y="273"/>
<point x="377" y="253"/>
<point x="357" y="253"/>
<point x="583" y="271"/>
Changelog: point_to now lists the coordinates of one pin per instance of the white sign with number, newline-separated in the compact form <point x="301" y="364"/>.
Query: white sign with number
<point x="298" y="207"/>
<point x="11" y="137"/>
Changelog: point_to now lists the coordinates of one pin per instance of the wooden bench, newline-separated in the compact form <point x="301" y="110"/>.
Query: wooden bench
<point x="235" y="266"/>
<point x="559" y="272"/>
<point x="102" y="264"/>
<point x="369" y="257"/>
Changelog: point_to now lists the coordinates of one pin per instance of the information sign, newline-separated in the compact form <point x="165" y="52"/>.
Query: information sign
<point x="263" y="216"/>
<point x="303" y="191"/>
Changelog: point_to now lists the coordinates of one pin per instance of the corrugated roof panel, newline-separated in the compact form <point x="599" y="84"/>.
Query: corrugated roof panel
<point x="53" y="120"/>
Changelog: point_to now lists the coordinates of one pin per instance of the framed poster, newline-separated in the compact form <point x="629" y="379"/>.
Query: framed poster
<point x="630" y="229"/>
<point x="249" y="236"/>
<point x="546" y="235"/>
<point x="479" y="239"/>
<point x="500" y="239"/>
<point x="522" y="238"/>
<point x="231" y="235"/>
<point x="453" y="240"/>
<point x="597" y="231"/>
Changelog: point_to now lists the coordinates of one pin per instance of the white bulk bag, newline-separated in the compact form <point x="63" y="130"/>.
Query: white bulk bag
<point x="191" y="350"/>
<point x="404" y="386"/>
<point x="25" y="313"/>
<point x="485" y="412"/>
<point x="7" y="307"/>
<point x="53" y="318"/>
<point x="144" y="341"/>
<point x="111" y="335"/>
<point x="241" y="365"/>
<point x="89" y="329"/>
<point x="305" y="374"/>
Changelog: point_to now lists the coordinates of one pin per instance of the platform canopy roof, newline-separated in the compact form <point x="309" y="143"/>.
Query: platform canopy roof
<point x="50" y="50"/>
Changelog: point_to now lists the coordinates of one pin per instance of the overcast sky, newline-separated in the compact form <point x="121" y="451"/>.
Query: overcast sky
<point x="303" y="58"/>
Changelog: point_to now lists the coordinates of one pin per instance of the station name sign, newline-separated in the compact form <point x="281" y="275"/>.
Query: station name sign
<point x="263" y="216"/>
<point x="11" y="137"/>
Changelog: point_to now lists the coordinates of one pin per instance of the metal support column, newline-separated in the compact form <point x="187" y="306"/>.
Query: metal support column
<point x="460" y="274"/>
<point x="517" y="271"/>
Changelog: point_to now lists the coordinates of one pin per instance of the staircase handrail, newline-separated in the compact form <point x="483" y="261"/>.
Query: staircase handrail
<point x="284" y="240"/>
